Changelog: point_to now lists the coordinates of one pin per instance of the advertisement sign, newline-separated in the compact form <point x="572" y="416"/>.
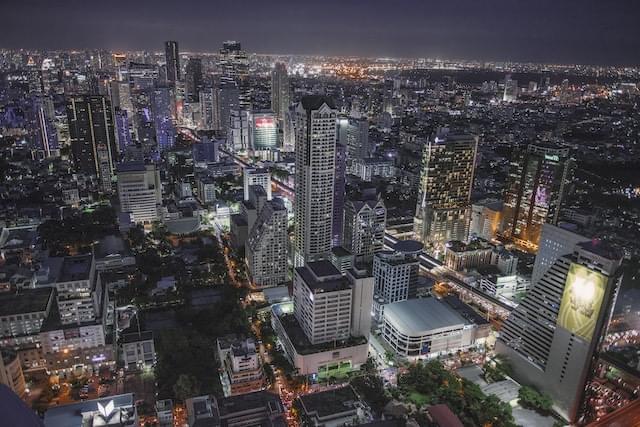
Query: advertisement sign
<point x="582" y="301"/>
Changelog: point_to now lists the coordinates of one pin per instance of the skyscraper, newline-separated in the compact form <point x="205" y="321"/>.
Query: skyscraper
<point x="140" y="191"/>
<point x="264" y="131"/>
<point x="227" y="101"/>
<point x="193" y="80"/>
<point x="234" y="64"/>
<point x="339" y="194"/>
<point x="46" y="133"/>
<point x="314" y="178"/>
<point x="93" y="143"/>
<point x="364" y="225"/>
<point x="442" y="211"/>
<point x="163" y="112"/>
<point x="266" y="247"/>
<point x="122" y="132"/>
<point x="280" y="91"/>
<point x="550" y="339"/>
<point x="538" y="176"/>
<point x="172" y="56"/>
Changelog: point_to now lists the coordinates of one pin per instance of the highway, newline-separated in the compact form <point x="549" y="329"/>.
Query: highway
<point x="428" y="264"/>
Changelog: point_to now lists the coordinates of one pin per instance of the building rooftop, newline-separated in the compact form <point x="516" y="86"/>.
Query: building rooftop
<point x="73" y="415"/>
<point x="408" y="246"/>
<point x="322" y="276"/>
<point x="331" y="402"/>
<point x="131" y="167"/>
<point x="76" y="268"/>
<point x="602" y="249"/>
<point x="340" y="252"/>
<point x="136" y="337"/>
<point x="314" y="102"/>
<point x="25" y="301"/>
<point x="418" y="316"/>
<point x="251" y="401"/>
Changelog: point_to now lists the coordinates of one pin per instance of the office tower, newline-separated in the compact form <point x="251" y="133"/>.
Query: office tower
<point x="193" y="80"/>
<point x="122" y="132"/>
<point x="267" y="243"/>
<point x="354" y="133"/>
<point x="280" y="91"/>
<point x="209" y="111"/>
<point x="79" y="294"/>
<point x="93" y="144"/>
<point x="555" y="241"/>
<point x="314" y="178"/>
<point x="552" y="337"/>
<point x="121" y="96"/>
<point x="510" y="89"/>
<point x="205" y="151"/>
<point x="323" y="302"/>
<point x="228" y="101"/>
<point x="162" y="105"/>
<point x="364" y="225"/>
<point x="46" y="132"/>
<point x="339" y="194"/>
<point x="234" y="64"/>
<point x="538" y="177"/>
<point x="288" y="131"/>
<point x="263" y="131"/>
<point x="254" y="176"/>
<point x="395" y="274"/>
<point x="140" y="191"/>
<point x="442" y="211"/>
<point x="239" y="130"/>
<point x="172" y="56"/>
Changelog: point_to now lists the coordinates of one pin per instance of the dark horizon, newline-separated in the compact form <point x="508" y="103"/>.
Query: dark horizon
<point x="572" y="32"/>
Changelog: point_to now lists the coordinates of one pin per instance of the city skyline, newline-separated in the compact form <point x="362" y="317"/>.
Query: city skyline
<point x="570" y="32"/>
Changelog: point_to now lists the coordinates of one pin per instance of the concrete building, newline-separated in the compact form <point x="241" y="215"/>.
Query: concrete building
<point x="259" y="408"/>
<point x="137" y="350"/>
<point x="23" y="312"/>
<point x="206" y="189"/>
<point x="256" y="176"/>
<point x="112" y="411"/>
<point x="327" y="333"/>
<point x="267" y="245"/>
<point x="263" y="131"/>
<point x="536" y="187"/>
<point x="550" y="339"/>
<point x="172" y="59"/>
<point x="315" y="151"/>
<point x="364" y="226"/>
<point x="442" y="212"/>
<point x="140" y="191"/>
<point x="280" y="91"/>
<point x="241" y="366"/>
<point x="339" y="187"/>
<point x="164" y="412"/>
<point x="395" y="274"/>
<point x="11" y="372"/>
<point x="331" y="408"/>
<point x="79" y="291"/>
<point x="426" y="328"/>
<point x="486" y="219"/>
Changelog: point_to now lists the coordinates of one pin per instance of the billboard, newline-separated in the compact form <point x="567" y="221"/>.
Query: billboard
<point x="582" y="300"/>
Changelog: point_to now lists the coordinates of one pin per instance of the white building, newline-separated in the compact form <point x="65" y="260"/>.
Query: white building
<point x="241" y="366"/>
<point x="140" y="191"/>
<point x="267" y="245"/>
<point x="261" y="177"/>
<point x="315" y="136"/>
<point x="426" y="328"/>
<point x="206" y="190"/>
<point x="164" y="411"/>
<point x="138" y="350"/>
<point x="79" y="295"/>
<point x="486" y="219"/>
<point x="364" y="225"/>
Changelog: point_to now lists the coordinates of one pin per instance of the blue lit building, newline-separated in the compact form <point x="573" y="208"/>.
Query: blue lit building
<point x="161" y="104"/>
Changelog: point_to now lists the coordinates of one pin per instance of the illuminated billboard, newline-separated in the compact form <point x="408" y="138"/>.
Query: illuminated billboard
<point x="582" y="301"/>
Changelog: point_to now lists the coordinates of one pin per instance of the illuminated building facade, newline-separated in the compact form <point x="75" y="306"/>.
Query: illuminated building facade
<point x="442" y="212"/>
<point x="550" y="339"/>
<point x="280" y="96"/>
<point x="264" y="131"/>
<point x="538" y="176"/>
<point x="314" y="178"/>
<point x="172" y="56"/>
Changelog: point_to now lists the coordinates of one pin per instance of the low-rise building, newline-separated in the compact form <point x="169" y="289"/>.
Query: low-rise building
<point x="137" y="350"/>
<point x="164" y="412"/>
<point x="11" y="372"/>
<point x="332" y="408"/>
<point x="240" y="366"/>
<point x="112" y="411"/>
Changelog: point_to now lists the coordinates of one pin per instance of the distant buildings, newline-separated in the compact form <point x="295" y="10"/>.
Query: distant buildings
<point x="193" y="82"/>
<point x="442" y="211"/>
<point x="162" y="107"/>
<point x="280" y="91"/>
<point x="172" y="58"/>
<point x="140" y="191"/>
<point x="314" y="178"/>
<point x="538" y="179"/>
<point x="550" y="339"/>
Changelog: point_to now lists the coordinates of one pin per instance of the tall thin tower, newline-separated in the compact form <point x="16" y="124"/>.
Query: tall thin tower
<point x="172" y="56"/>
<point x="279" y="91"/>
<point x="314" y="178"/>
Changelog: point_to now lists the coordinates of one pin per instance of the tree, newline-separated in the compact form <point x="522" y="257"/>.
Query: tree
<point x="185" y="387"/>
<point x="530" y="398"/>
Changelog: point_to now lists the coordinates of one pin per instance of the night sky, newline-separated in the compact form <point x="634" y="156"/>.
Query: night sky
<point x="560" y="31"/>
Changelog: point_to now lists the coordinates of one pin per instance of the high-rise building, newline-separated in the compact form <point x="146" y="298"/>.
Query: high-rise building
<point x="209" y="109"/>
<point x="486" y="219"/>
<point x="254" y="176"/>
<point x="339" y="183"/>
<point x="227" y="101"/>
<point x="172" y="56"/>
<point x="239" y="130"/>
<point x="93" y="143"/>
<point x="551" y="338"/>
<point x="538" y="178"/>
<point x="364" y="225"/>
<point x="122" y="129"/>
<point x="354" y="133"/>
<point x="163" y="114"/>
<point x="395" y="274"/>
<point x="264" y="131"/>
<point x="140" y="191"/>
<point x="234" y="64"/>
<point x="46" y="132"/>
<point x="314" y="178"/>
<point x="442" y="211"/>
<point x="267" y="243"/>
<point x="280" y="91"/>
<point x="193" y="79"/>
<point x="510" y="89"/>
